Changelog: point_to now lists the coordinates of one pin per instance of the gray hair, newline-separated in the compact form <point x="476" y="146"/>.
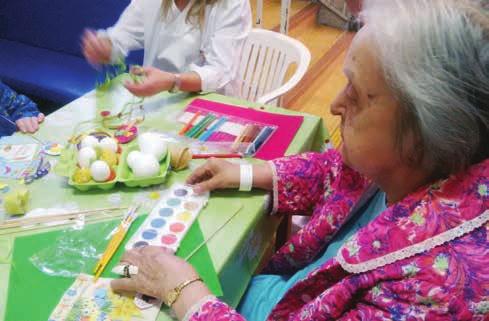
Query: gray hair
<point x="435" y="57"/>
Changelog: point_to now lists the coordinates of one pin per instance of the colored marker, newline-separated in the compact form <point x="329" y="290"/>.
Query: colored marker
<point x="251" y="134"/>
<point x="187" y="127"/>
<point x="239" y="138"/>
<point x="205" y="136"/>
<point x="259" y="140"/>
<point x="204" y="126"/>
<point x="197" y="126"/>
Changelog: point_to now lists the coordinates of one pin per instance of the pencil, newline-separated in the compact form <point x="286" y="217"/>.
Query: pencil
<point x="189" y="124"/>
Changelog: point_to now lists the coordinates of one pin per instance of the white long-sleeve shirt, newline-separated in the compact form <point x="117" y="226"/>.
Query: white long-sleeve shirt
<point x="174" y="45"/>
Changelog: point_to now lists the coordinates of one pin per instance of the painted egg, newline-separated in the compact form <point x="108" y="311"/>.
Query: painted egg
<point x="108" y="143"/>
<point x="89" y="141"/>
<point x="152" y="143"/>
<point x="108" y="156"/>
<point x="131" y="158"/>
<point x="145" y="165"/>
<point x="100" y="171"/>
<point x="86" y="156"/>
<point x="82" y="176"/>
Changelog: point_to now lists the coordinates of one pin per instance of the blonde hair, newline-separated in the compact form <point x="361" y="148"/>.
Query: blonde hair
<point x="196" y="12"/>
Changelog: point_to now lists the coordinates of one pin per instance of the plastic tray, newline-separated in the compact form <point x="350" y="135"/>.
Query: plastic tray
<point x="68" y="164"/>
<point x="124" y="173"/>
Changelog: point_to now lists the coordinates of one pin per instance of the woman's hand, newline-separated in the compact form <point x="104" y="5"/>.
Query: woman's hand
<point x="220" y="174"/>
<point x="214" y="174"/>
<point x="159" y="271"/>
<point x="97" y="50"/>
<point x="153" y="81"/>
<point x="30" y="124"/>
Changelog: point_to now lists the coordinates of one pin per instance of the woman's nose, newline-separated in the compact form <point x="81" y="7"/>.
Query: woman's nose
<point x="338" y="105"/>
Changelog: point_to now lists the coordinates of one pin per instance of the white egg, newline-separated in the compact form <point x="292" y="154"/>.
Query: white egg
<point x="108" y="143"/>
<point x="100" y="171"/>
<point x="145" y="165"/>
<point x="86" y="156"/>
<point x="152" y="143"/>
<point x="132" y="157"/>
<point x="89" y="141"/>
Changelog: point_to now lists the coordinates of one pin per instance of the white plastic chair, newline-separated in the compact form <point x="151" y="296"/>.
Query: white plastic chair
<point x="265" y="59"/>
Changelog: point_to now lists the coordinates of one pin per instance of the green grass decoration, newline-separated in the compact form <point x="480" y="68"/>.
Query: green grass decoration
<point x="111" y="72"/>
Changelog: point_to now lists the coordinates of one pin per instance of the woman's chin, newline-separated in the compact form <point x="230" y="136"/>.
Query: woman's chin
<point x="344" y="153"/>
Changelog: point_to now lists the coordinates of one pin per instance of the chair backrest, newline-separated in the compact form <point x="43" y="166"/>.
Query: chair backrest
<point x="265" y="59"/>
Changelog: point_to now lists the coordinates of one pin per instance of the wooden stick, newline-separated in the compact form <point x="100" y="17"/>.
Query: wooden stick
<point x="52" y="218"/>
<point x="89" y="220"/>
<point x="208" y="239"/>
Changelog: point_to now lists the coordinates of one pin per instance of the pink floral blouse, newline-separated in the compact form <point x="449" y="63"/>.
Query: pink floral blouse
<point x="424" y="258"/>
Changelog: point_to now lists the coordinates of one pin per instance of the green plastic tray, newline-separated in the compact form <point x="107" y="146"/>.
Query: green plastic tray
<point x="67" y="166"/>
<point x="125" y="175"/>
<point x="92" y="184"/>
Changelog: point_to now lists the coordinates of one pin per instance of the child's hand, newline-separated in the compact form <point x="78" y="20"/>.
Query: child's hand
<point x="30" y="124"/>
<point x="97" y="50"/>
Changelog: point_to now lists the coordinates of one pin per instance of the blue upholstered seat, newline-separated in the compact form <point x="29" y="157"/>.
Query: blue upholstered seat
<point x="40" y="51"/>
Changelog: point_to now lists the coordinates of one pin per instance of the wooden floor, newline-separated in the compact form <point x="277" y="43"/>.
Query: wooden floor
<point x="328" y="47"/>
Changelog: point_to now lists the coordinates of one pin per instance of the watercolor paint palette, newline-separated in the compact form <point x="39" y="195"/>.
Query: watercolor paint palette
<point x="170" y="219"/>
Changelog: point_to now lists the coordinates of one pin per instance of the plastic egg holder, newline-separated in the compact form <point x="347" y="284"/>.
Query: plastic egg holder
<point x="96" y="160"/>
<point x="123" y="172"/>
<point x="145" y="163"/>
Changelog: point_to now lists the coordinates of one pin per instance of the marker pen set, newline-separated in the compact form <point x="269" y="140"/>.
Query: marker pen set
<point x="242" y="135"/>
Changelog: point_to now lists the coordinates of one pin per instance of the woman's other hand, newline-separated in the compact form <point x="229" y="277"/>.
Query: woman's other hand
<point x="153" y="81"/>
<point x="159" y="271"/>
<point x="214" y="174"/>
<point x="97" y="50"/>
<point x="220" y="174"/>
<point x="30" y="124"/>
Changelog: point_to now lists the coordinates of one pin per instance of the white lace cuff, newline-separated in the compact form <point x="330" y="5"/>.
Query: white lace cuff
<point x="275" y="188"/>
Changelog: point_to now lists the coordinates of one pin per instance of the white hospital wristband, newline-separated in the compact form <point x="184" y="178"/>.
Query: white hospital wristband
<point x="245" y="177"/>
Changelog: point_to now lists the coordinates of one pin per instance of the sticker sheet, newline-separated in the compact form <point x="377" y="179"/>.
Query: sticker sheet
<point x="87" y="300"/>
<point x="170" y="219"/>
<point x="18" y="158"/>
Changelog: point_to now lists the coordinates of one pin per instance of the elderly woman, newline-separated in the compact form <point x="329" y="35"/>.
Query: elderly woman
<point x="399" y="226"/>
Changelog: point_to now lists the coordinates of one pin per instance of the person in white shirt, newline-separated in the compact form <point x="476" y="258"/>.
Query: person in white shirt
<point x="189" y="45"/>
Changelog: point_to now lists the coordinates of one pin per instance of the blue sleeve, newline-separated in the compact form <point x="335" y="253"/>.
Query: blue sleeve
<point x="15" y="106"/>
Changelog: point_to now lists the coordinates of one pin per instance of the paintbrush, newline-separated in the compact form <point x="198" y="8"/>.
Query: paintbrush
<point x="115" y="241"/>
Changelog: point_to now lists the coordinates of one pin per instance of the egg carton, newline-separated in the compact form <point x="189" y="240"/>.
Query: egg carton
<point x="123" y="174"/>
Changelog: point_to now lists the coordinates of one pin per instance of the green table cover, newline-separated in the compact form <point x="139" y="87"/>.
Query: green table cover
<point x="49" y="289"/>
<point x="237" y="249"/>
